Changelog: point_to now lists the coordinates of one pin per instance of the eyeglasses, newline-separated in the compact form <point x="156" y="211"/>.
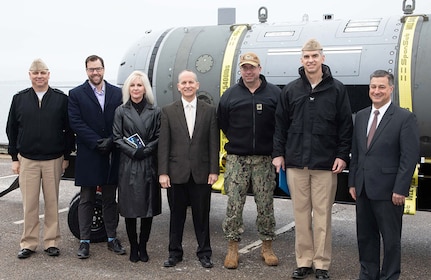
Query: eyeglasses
<point x="97" y="69"/>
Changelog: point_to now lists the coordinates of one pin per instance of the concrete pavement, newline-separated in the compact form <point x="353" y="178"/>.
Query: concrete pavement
<point x="103" y="264"/>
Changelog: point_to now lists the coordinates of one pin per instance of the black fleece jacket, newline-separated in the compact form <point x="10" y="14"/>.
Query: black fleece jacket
<point x="248" y="119"/>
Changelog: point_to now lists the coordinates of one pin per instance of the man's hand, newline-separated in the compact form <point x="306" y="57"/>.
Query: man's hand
<point x="278" y="162"/>
<point x="105" y="145"/>
<point x="165" y="181"/>
<point x="352" y="192"/>
<point x="15" y="167"/>
<point x="338" y="166"/>
<point x="398" y="199"/>
<point x="65" y="165"/>
<point x="212" y="178"/>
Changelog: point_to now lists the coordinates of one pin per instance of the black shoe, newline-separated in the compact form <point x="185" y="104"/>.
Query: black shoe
<point x="143" y="256"/>
<point x="116" y="247"/>
<point x="52" y="251"/>
<point x="24" y="253"/>
<point x="322" y="274"/>
<point x="206" y="262"/>
<point x="84" y="250"/>
<point x="172" y="261"/>
<point x="301" y="272"/>
<point x="134" y="254"/>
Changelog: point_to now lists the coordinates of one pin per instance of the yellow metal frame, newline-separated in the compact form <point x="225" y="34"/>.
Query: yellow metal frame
<point x="405" y="93"/>
<point x="225" y="83"/>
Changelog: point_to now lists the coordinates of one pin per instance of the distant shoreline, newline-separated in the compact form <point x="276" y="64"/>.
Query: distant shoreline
<point x="52" y="83"/>
<point x="3" y="149"/>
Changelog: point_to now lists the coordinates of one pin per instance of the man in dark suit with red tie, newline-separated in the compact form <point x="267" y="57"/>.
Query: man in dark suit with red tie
<point x="188" y="166"/>
<point x="385" y="150"/>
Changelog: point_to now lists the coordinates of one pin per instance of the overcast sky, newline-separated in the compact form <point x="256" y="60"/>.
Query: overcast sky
<point x="64" y="33"/>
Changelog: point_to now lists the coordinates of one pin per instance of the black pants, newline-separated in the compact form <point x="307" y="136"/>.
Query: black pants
<point x="375" y="220"/>
<point x="109" y="210"/>
<point x="198" y="196"/>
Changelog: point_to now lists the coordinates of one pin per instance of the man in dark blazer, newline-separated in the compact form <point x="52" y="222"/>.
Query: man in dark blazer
<point x="91" y="115"/>
<point x="188" y="166"/>
<point x="380" y="177"/>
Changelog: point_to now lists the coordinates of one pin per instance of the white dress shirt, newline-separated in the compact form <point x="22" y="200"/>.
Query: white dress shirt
<point x="190" y="113"/>
<point x="382" y="111"/>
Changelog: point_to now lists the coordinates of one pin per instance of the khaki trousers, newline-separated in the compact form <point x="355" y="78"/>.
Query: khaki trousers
<point x="34" y="174"/>
<point x="313" y="194"/>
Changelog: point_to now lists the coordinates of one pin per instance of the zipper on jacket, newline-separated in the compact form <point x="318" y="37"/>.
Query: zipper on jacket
<point x="254" y="123"/>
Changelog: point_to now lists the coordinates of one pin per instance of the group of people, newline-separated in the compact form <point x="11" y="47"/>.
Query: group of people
<point x="306" y="129"/>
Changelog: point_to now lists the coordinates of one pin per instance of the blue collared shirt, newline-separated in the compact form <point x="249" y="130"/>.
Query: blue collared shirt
<point x="100" y="95"/>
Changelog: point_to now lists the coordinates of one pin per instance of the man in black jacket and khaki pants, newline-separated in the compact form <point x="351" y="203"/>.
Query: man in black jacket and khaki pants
<point x="40" y="143"/>
<point x="312" y="141"/>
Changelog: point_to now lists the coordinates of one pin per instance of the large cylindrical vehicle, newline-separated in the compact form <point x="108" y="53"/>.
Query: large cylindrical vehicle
<point x="353" y="50"/>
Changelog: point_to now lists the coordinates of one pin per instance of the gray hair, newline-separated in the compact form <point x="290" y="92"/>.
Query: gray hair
<point x="382" y="74"/>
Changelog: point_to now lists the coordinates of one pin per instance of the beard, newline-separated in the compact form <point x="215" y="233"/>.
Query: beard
<point x="96" y="79"/>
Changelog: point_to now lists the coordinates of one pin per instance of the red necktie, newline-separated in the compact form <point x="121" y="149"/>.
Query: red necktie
<point x="372" y="128"/>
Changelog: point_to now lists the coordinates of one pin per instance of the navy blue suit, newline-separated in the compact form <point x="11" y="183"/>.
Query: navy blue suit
<point x="92" y="169"/>
<point x="386" y="167"/>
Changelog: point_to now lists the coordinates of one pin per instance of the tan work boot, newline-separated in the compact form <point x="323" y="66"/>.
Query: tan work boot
<point x="232" y="258"/>
<point x="267" y="253"/>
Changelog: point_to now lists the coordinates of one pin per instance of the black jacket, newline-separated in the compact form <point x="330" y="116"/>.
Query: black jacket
<point x="39" y="133"/>
<point x="138" y="186"/>
<point x="313" y="127"/>
<point x="247" y="119"/>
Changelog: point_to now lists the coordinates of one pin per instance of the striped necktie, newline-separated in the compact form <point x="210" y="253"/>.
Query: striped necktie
<point x="372" y="128"/>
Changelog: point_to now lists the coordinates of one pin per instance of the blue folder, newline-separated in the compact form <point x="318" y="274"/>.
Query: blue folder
<point x="282" y="181"/>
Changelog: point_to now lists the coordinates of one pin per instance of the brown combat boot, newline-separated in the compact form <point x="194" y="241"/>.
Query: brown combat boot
<point x="267" y="253"/>
<point x="232" y="258"/>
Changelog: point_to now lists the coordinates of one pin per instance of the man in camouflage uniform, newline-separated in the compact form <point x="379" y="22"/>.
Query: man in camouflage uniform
<point x="246" y="115"/>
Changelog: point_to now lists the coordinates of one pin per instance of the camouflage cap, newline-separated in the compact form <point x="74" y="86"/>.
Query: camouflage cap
<point x="249" y="58"/>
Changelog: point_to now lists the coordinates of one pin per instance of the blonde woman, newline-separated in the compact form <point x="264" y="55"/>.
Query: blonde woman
<point x="136" y="134"/>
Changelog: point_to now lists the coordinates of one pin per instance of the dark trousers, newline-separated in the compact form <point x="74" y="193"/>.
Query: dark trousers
<point x="375" y="218"/>
<point x="198" y="196"/>
<point x="109" y="211"/>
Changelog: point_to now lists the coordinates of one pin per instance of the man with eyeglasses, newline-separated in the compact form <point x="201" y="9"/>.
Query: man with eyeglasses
<point x="40" y="143"/>
<point x="246" y="115"/>
<point x="91" y="112"/>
